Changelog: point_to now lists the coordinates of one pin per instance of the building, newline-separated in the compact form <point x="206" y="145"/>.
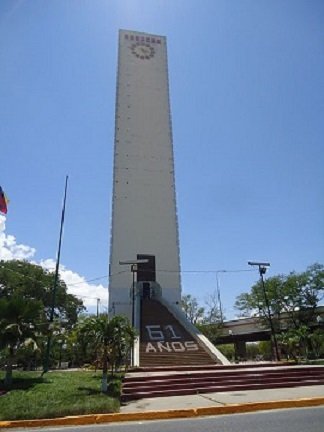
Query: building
<point x="144" y="216"/>
<point x="144" y="273"/>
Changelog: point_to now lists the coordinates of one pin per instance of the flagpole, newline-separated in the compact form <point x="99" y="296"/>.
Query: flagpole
<point x="56" y="277"/>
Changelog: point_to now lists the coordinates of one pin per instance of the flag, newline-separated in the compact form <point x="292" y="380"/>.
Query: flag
<point x="3" y="202"/>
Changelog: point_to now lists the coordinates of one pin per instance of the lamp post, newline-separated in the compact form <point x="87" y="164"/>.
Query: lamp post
<point x="133" y="267"/>
<point x="262" y="270"/>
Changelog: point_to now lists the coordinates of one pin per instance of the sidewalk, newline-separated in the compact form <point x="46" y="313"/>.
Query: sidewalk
<point x="222" y="399"/>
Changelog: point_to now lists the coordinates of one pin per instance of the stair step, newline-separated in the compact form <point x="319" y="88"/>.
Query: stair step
<point x="217" y="380"/>
<point x="225" y="374"/>
<point x="212" y="366"/>
<point x="208" y="383"/>
<point x="219" y="388"/>
<point x="212" y="380"/>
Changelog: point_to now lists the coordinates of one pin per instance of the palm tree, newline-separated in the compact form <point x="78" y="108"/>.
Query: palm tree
<point x="101" y="330"/>
<point x="113" y="339"/>
<point x="18" y="318"/>
<point x="81" y="341"/>
<point x="123" y="337"/>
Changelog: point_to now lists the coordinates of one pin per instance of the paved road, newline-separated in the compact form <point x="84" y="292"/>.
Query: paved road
<point x="292" y="420"/>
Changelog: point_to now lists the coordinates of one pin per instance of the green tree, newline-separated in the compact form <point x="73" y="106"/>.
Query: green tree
<point x="211" y="331"/>
<point x="112" y="340"/>
<point x="227" y="350"/>
<point x="213" y="313"/>
<point x="292" y="300"/>
<point x="191" y="308"/>
<point x="253" y="303"/>
<point x="33" y="282"/>
<point x="18" y="323"/>
<point x="208" y="320"/>
<point x="122" y="341"/>
<point x="81" y="342"/>
<point x="265" y="349"/>
<point x="317" y="343"/>
<point x="21" y="279"/>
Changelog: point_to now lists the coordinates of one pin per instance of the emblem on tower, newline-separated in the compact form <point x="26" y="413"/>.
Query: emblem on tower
<point x="142" y="50"/>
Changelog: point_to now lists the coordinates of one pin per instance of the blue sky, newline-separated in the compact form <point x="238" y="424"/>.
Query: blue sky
<point x="247" y="100"/>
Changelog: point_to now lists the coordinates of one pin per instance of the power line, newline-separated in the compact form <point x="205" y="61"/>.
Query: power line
<point x="166" y="271"/>
<point x="204" y="271"/>
<point x="89" y="280"/>
<point x="52" y="274"/>
<point x="125" y="271"/>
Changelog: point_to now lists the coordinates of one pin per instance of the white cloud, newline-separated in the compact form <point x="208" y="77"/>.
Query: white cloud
<point x="77" y="285"/>
<point x="9" y="248"/>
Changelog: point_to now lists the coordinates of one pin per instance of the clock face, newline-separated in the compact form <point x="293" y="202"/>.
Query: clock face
<point x="142" y="50"/>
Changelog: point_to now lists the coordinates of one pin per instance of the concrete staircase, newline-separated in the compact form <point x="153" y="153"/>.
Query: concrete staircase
<point x="148" y="384"/>
<point x="165" y="342"/>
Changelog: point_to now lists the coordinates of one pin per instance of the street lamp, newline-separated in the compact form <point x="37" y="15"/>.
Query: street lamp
<point x="133" y="267"/>
<point x="133" y="264"/>
<point x="262" y="266"/>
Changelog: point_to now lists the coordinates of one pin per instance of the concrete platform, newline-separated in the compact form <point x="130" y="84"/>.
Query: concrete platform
<point x="222" y="399"/>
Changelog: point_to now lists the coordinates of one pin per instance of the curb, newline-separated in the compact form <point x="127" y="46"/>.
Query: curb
<point x="164" y="415"/>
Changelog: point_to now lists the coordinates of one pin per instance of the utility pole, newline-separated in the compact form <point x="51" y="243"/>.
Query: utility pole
<point x="219" y="296"/>
<point x="262" y="270"/>
<point x="56" y="277"/>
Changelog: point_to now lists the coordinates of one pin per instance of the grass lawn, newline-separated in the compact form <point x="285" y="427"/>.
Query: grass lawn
<point x="57" y="394"/>
<point x="316" y="362"/>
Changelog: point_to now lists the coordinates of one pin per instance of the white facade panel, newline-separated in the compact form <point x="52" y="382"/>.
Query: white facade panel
<point x="144" y="218"/>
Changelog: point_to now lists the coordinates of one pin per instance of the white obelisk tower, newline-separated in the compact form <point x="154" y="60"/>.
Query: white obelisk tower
<point x="144" y="215"/>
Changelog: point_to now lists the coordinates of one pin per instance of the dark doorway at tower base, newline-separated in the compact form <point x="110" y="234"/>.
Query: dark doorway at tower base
<point x="146" y="271"/>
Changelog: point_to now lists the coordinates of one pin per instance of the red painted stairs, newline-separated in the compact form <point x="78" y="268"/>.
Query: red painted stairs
<point x="155" y="383"/>
<point x="165" y="342"/>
